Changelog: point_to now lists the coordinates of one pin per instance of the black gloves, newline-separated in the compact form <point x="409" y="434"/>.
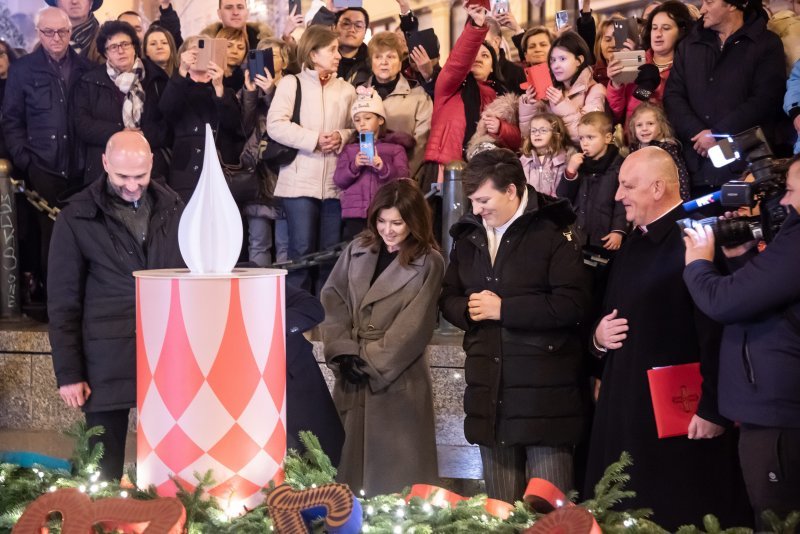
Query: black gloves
<point x="646" y="82"/>
<point x="350" y="369"/>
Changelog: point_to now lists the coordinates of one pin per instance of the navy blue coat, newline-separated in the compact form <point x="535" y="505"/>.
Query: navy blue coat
<point x="726" y="91"/>
<point x="759" y="370"/>
<point x="36" y="114"/>
<point x="309" y="405"/>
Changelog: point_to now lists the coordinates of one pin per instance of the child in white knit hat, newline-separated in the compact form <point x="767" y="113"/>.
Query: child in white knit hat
<point x="358" y="175"/>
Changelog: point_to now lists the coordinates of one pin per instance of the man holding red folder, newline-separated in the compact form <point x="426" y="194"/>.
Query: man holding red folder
<point x="650" y="321"/>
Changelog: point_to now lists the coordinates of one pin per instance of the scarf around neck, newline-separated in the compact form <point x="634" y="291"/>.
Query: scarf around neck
<point x="130" y="84"/>
<point x="84" y="33"/>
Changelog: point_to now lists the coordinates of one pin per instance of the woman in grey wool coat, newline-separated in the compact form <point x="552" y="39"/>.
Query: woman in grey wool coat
<point x="380" y="311"/>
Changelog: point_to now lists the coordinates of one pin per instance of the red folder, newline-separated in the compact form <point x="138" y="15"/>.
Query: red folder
<point x="538" y="76"/>
<point x="675" y="391"/>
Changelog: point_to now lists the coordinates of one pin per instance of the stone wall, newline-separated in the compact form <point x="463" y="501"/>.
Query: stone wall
<point x="29" y="399"/>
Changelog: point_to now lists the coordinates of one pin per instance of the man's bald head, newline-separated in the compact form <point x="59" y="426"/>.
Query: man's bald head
<point x="648" y="185"/>
<point x="128" y="162"/>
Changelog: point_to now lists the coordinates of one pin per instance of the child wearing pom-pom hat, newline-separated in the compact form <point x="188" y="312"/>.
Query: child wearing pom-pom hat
<point x="359" y="176"/>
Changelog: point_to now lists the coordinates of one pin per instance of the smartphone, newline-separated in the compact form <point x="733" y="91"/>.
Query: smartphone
<point x="631" y="61"/>
<point x="426" y="39"/>
<point x="562" y="19"/>
<point x="500" y="7"/>
<point x="621" y="32"/>
<point x="258" y="60"/>
<point x="295" y="4"/>
<point x="211" y="50"/>
<point x="634" y="32"/>
<point x="366" y="144"/>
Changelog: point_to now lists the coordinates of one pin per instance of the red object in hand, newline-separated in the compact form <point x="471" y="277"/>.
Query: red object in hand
<point x="538" y="77"/>
<point x="675" y="391"/>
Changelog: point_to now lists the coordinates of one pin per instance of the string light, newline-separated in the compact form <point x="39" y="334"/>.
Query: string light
<point x="629" y="522"/>
<point x="93" y="488"/>
<point x="370" y="510"/>
<point x="559" y="503"/>
<point x="398" y="529"/>
<point x="123" y="494"/>
<point x="362" y="493"/>
<point x="52" y="489"/>
<point x="82" y="488"/>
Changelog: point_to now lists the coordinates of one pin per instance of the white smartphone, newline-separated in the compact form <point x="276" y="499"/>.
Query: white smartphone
<point x="562" y="19"/>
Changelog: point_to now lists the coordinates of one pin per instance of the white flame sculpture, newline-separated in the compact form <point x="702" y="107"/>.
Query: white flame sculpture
<point x="210" y="231"/>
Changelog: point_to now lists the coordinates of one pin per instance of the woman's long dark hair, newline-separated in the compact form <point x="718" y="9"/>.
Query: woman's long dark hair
<point x="406" y="196"/>
<point x="471" y="95"/>
<point x="575" y="45"/>
<point x="11" y="54"/>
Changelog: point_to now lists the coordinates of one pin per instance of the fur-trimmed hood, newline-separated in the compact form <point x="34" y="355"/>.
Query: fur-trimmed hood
<point x="504" y="107"/>
<point x="257" y="29"/>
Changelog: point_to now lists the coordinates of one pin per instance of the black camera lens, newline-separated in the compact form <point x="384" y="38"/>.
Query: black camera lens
<point x="729" y="232"/>
<point x="201" y="43"/>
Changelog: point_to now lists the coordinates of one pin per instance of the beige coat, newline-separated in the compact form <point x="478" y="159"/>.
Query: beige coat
<point x="322" y="109"/>
<point x="390" y="438"/>
<point x="409" y="110"/>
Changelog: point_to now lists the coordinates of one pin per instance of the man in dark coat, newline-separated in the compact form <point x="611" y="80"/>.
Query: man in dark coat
<point x="37" y="115"/>
<point x="759" y="378"/>
<point x="516" y="285"/>
<point x="728" y="75"/>
<point x="309" y="405"/>
<point x="650" y="322"/>
<point x="352" y="24"/>
<point x="119" y="224"/>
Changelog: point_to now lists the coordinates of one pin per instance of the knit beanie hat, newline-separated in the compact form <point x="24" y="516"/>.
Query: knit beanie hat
<point x="367" y="99"/>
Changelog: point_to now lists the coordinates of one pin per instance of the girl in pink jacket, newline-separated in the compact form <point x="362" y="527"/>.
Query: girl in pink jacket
<point x="574" y="92"/>
<point x="360" y="177"/>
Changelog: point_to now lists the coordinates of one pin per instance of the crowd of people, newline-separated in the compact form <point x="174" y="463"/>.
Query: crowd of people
<point x="341" y="137"/>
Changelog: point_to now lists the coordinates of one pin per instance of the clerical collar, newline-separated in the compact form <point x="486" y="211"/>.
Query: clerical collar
<point x="643" y="228"/>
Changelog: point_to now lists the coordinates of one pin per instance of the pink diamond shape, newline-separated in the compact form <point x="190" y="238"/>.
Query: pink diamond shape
<point x="234" y="375"/>
<point x="169" y="489"/>
<point x="177" y="450"/>
<point x="276" y="446"/>
<point x="275" y="370"/>
<point x="177" y="374"/>
<point x="235" y="449"/>
<point x="240" y="488"/>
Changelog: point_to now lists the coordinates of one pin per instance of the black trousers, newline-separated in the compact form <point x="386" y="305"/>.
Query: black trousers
<point x="770" y="459"/>
<point x="115" y="423"/>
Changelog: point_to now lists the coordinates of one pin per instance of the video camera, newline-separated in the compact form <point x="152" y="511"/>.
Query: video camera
<point x="766" y="191"/>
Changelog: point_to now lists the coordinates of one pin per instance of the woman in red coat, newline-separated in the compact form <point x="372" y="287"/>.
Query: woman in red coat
<point x="469" y="81"/>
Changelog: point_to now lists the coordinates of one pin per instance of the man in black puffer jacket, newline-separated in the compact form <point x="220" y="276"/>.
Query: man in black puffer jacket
<point x="119" y="224"/>
<point x="517" y="286"/>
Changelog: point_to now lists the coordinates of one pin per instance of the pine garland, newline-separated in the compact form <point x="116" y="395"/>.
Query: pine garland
<point x="383" y="514"/>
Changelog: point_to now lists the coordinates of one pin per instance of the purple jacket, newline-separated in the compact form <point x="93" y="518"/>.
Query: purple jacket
<point x="359" y="184"/>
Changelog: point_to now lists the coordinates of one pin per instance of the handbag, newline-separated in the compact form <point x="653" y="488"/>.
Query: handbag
<point x="276" y="155"/>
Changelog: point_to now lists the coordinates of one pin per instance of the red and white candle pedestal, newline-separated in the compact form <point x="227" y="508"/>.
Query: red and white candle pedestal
<point x="211" y="381"/>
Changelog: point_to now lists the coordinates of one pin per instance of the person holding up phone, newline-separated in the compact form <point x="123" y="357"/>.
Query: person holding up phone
<point x="191" y="99"/>
<point x="666" y="26"/>
<point x="372" y="158"/>
<point x="265" y="209"/>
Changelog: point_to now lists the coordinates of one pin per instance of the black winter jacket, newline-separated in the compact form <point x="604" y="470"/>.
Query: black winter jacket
<point x="188" y="106"/>
<point x="524" y="375"/>
<point x="592" y="195"/>
<point x="91" y="293"/>
<point x="759" y="304"/>
<point x="37" y="116"/>
<point x="356" y="70"/>
<point x="97" y="114"/>
<point x="726" y="91"/>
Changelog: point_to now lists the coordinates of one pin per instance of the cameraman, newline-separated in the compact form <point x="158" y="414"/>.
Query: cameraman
<point x="759" y="370"/>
